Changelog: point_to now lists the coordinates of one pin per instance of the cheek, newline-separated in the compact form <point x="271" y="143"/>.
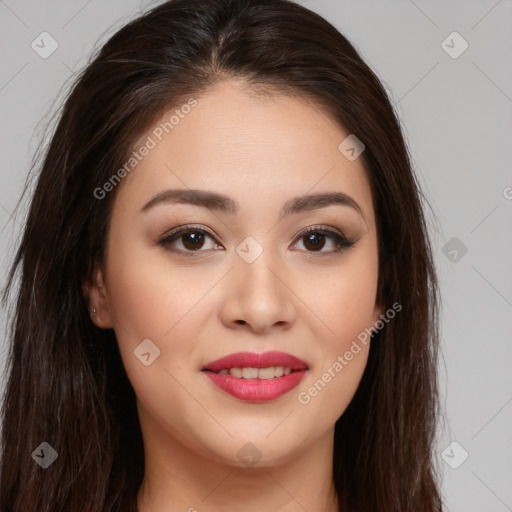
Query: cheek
<point x="347" y="307"/>
<point x="169" y="305"/>
<point x="148" y="297"/>
<point x="343" y="299"/>
<point x="348" y="310"/>
<point x="150" y="301"/>
<point x="329" y="390"/>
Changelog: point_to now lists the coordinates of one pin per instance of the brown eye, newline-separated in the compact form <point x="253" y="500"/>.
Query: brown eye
<point x="315" y="240"/>
<point x="191" y="240"/>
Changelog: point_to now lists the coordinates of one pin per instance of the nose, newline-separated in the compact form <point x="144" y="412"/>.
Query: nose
<point x="257" y="297"/>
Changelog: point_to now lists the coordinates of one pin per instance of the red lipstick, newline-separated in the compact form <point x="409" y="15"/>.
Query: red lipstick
<point x="255" y="385"/>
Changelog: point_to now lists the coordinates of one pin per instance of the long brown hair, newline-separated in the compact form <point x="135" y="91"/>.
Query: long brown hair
<point x="66" y="383"/>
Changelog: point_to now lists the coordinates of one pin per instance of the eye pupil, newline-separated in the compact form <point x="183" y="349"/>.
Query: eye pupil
<point x="316" y="240"/>
<point x="192" y="239"/>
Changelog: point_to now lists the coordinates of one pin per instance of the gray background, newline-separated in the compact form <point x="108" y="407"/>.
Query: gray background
<point x="456" y="115"/>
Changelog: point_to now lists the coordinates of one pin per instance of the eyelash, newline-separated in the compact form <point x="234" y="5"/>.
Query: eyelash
<point x="342" y="242"/>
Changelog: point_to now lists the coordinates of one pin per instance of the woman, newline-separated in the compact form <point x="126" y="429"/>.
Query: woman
<point x="292" y="365"/>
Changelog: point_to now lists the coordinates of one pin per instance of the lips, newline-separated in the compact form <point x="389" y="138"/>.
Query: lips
<point x="255" y="360"/>
<point x="282" y="373"/>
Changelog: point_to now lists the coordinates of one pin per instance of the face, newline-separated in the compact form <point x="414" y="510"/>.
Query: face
<point x="187" y="283"/>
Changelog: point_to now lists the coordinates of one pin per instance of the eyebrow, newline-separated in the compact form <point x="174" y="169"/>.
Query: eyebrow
<point x="224" y="204"/>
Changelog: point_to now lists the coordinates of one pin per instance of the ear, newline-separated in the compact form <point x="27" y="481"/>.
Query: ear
<point x="378" y="310"/>
<point x="97" y="298"/>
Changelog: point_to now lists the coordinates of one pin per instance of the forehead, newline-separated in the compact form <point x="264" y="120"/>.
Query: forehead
<point x="257" y="148"/>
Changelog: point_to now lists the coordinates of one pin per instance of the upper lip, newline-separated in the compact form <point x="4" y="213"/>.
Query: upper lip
<point x="256" y="360"/>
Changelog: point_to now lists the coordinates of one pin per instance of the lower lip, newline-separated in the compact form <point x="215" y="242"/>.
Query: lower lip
<point x="256" y="390"/>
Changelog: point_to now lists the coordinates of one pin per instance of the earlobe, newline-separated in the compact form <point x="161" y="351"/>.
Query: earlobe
<point x="378" y="312"/>
<point x="97" y="298"/>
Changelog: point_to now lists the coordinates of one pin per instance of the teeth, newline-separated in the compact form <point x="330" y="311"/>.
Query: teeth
<point x="266" y="373"/>
<point x="250" y="373"/>
<point x="236" y="372"/>
<point x="256" y="373"/>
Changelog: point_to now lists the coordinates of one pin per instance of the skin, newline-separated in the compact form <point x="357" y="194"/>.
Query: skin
<point x="310" y="303"/>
